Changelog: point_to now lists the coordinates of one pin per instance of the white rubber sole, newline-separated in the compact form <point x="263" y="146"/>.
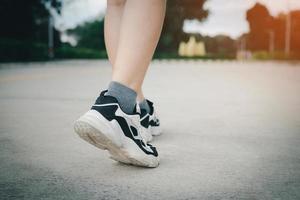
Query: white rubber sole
<point x="96" y="130"/>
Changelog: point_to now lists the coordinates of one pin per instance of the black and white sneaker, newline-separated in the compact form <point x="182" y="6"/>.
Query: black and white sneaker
<point x="144" y="120"/>
<point x="150" y="122"/>
<point x="107" y="127"/>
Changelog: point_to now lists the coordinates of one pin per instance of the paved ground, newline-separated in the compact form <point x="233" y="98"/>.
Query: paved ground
<point x="231" y="131"/>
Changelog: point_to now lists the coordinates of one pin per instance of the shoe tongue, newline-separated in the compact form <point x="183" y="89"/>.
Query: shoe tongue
<point x="103" y="93"/>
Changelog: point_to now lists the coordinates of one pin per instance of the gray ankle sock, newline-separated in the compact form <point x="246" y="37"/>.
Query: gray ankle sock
<point x="144" y="105"/>
<point x="125" y="96"/>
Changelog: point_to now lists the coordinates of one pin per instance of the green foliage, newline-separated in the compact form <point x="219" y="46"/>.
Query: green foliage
<point x="90" y="35"/>
<point x="178" y="11"/>
<point x="76" y="52"/>
<point x="260" y="21"/>
<point x="169" y="55"/>
<point x="23" y="32"/>
<point x="278" y="55"/>
<point x="263" y="25"/>
<point x="14" y="50"/>
<point x="24" y="20"/>
<point x="261" y="55"/>
<point x="220" y="46"/>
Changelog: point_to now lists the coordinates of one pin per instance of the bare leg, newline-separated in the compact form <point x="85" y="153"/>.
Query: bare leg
<point x="112" y="24"/>
<point x="113" y="20"/>
<point x="140" y="29"/>
<point x="140" y="95"/>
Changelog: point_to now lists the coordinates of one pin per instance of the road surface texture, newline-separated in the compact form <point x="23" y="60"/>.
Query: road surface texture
<point x="231" y="131"/>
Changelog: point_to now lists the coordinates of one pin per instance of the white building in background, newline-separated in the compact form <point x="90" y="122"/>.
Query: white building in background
<point x="191" y="48"/>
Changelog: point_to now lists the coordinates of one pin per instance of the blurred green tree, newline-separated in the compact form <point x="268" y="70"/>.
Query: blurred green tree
<point x="24" y="29"/>
<point x="25" y="20"/>
<point x="262" y="25"/>
<point x="278" y="27"/>
<point x="220" y="46"/>
<point x="260" y="22"/>
<point x="90" y="35"/>
<point x="177" y="12"/>
<point x="295" y="31"/>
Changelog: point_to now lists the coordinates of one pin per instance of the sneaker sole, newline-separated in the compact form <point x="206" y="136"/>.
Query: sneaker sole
<point x="99" y="138"/>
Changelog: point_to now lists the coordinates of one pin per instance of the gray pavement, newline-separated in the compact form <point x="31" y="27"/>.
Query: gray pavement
<point x="231" y="131"/>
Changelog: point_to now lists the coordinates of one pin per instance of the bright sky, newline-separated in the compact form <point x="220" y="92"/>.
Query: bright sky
<point x="75" y="12"/>
<point x="226" y="16"/>
<point x="230" y="18"/>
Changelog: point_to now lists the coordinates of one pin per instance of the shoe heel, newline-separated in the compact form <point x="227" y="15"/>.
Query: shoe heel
<point x="87" y="133"/>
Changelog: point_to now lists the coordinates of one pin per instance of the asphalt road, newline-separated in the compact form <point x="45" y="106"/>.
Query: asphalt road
<point x="231" y="131"/>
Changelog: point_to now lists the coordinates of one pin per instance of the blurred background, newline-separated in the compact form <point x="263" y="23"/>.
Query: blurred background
<point x="231" y="128"/>
<point x="204" y="29"/>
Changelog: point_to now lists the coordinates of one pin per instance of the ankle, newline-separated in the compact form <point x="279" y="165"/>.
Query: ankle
<point x="125" y="96"/>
